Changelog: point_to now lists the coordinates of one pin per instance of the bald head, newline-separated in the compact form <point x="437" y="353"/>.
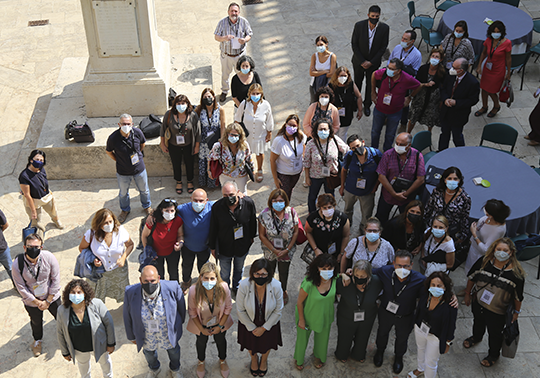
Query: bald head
<point x="404" y="139"/>
<point x="149" y="274"/>
<point x="199" y="195"/>
<point x="461" y="65"/>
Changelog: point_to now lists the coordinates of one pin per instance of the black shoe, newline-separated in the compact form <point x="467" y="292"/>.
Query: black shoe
<point x="367" y="111"/>
<point x="378" y="358"/>
<point x="398" y="365"/>
<point x="222" y="97"/>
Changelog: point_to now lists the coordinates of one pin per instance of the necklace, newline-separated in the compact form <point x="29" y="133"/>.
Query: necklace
<point x="450" y="193"/>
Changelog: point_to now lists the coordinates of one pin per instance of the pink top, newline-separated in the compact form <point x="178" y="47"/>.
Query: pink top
<point x="203" y="313"/>
<point x="396" y="90"/>
<point x="310" y="112"/>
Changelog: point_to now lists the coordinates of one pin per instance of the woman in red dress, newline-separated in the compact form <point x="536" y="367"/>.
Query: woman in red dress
<point x="495" y="67"/>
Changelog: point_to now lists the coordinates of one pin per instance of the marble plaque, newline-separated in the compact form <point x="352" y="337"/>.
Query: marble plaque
<point x="116" y="26"/>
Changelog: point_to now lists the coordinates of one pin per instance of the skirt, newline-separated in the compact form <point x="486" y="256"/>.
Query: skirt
<point x="112" y="284"/>
<point x="269" y="340"/>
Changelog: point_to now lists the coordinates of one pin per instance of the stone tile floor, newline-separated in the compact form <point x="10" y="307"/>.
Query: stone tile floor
<point x="30" y="60"/>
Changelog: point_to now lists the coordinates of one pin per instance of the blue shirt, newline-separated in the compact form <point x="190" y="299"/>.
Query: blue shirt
<point x="407" y="299"/>
<point x="196" y="226"/>
<point x="412" y="58"/>
<point x="367" y="171"/>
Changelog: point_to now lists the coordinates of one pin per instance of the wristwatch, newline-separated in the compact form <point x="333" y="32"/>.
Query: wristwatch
<point x="221" y="327"/>
<point x="517" y="312"/>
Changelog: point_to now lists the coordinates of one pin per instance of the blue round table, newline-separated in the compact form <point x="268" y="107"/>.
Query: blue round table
<point x="519" y="25"/>
<point x="512" y="181"/>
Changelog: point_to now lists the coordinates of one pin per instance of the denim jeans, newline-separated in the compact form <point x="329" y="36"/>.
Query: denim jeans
<point x="314" y="189"/>
<point x="225" y="266"/>
<point x="392" y="121"/>
<point x="153" y="362"/>
<point x="5" y="260"/>
<point x="141" y="182"/>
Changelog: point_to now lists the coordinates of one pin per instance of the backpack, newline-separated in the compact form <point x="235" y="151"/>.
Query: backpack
<point x="150" y="126"/>
<point x="20" y="262"/>
<point x="79" y="133"/>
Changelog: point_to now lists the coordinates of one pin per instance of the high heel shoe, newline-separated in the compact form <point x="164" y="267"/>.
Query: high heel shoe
<point x="201" y="374"/>
<point x="224" y="373"/>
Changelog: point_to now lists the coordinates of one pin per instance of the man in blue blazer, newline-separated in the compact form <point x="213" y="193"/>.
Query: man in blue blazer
<point x="154" y="312"/>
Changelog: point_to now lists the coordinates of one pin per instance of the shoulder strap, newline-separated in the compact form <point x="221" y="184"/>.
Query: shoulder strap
<point x="20" y="261"/>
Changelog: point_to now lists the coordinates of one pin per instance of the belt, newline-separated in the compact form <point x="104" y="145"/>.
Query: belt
<point x="233" y="56"/>
<point x="210" y="327"/>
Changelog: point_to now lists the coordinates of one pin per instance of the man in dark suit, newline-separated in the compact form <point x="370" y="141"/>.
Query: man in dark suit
<point x="369" y="42"/>
<point x="459" y="93"/>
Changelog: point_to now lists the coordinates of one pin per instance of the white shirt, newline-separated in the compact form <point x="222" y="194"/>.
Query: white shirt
<point x="287" y="162"/>
<point x="371" y="33"/>
<point x="431" y="246"/>
<point x="108" y="254"/>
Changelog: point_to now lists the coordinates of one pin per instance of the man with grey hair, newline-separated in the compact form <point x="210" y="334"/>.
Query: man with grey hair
<point x="393" y="85"/>
<point x="459" y="93"/>
<point x="233" y="225"/>
<point x="125" y="147"/>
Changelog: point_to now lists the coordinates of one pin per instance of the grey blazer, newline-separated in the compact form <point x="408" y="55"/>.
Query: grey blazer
<point x="245" y="304"/>
<point x="101" y="323"/>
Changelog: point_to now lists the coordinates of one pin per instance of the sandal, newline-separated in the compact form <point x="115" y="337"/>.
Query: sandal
<point x="470" y="343"/>
<point x="259" y="175"/>
<point x="480" y="111"/>
<point x="318" y="363"/>
<point x="412" y="375"/>
<point x="298" y="367"/>
<point x="493" y="112"/>
<point x="190" y="189"/>
<point x="179" y="190"/>
<point x="489" y="361"/>
<point x="285" y="298"/>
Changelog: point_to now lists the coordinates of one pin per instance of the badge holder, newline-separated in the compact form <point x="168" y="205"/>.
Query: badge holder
<point x="359" y="316"/>
<point x="392" y="307"/>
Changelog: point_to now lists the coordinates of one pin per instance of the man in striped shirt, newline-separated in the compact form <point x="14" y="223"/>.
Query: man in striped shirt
<point x="233" y="32"/>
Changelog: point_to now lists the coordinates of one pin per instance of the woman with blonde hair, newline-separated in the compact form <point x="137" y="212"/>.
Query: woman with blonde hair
<point x="495" y="283"/>
<point x="439" y="252"/>
<point x="256" y="115"/>
<point x="209" y="308"/>
<point x="111" y="244"/>
<point x="233" y="153"/>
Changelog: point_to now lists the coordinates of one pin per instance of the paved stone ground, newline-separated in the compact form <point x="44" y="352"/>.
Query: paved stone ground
<point x="30" y="59"/>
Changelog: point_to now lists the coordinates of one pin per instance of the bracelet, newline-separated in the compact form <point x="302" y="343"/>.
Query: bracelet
<point x="46" y="300"/>
<point x="449" y="343"/>
<point x="517" y="312"/>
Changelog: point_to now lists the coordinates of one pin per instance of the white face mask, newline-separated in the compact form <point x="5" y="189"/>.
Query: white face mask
<point x="168" y="216"/>
<point x="328" y="213"/>
<point x="126" y="129"/>
<point x="108" y="227"/>
<point x="324" y="101"/>
<point x="400" y="149"/>
<point x="402" y="272"/>
<point x="342" y="79"/>
<point x="452" y="71"/>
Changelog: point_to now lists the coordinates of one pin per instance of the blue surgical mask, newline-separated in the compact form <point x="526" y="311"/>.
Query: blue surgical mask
<point x="458" y="35"/>
<point x="496" y="35"/>
<point x="452" y="184"/>
<point x="181" y="108"/>
<point x="209" y="285"/>
<point x="390" y="73"/>
<point x="436" y="291"/>
<point x="198" y="206"/>
<point x="233" y="139"/>
<point x="278" y="206"/>
<point x="372" y="236"/>
<point x="323" y="134"/>
<point x="37" y="164"/>
<point x="76" y="298"/>
<point x="327" y="274"/>
<point x="245" y="71"/>
<point x="255" y="98"/>
<point x="321" y="49"/>
<point x="434" y="61"/>
<point x="502" y="255"/>
<point x="438" y="233"/>
<point x="403" y="45"/>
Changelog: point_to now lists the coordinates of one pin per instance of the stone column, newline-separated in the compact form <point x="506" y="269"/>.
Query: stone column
<point x="129" y="66"/>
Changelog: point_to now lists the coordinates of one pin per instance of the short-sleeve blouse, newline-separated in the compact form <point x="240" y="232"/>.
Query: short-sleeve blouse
<point x="356" y="249"/>
<point x="314" y="161"/>
<point x="108" y="254"/>
<point x="231" y="167"/>
<point x="269" y="222"/>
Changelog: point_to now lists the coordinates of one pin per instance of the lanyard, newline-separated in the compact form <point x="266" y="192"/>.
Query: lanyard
<point x="406" y="56"/>
<point x="359" y="301"/>
<point x="401" y="168"/>
<point x="374" y="253"/>
<point x="493" y="49"/>
<point x="278" y="225"/>
<point x="293" y="148"/>
<point x="132" y="138"/>
<point x="394" y="287"/>
<point x="453" y="51"/>
<point x="239" y="208"/>
<point x="233" y="157"/>
<point x="360" y="165"/>
<point x="31" y="271"/>
<point x="325" y="155"/>
<point x="151" y="308"/>
<point x="390" y="87"/>
<point x="431" y="243"/>
<point x="211" y="306"/>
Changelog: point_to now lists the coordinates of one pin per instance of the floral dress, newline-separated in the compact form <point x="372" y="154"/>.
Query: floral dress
<point x="457" y="212"/>
<point x="209" y="127"/>
<point x="290" y="219"/>
<point x="233" y="166"/>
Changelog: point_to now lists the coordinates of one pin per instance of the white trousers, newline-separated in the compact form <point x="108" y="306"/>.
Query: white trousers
<point x="83" y="362"/>
<point x="241" y="182"/>
<point x="428" y="352"/>
<point x="228" y="64"/>
<point x="342" y="133"/>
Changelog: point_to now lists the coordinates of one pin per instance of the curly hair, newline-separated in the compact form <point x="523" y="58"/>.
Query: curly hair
<point x="312" y="271"/>
<point x="447" y="282"/>
<point x="85" y="287"/>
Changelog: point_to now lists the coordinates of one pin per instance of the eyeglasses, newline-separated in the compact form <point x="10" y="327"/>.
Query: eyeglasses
<point x="406" y="266"/>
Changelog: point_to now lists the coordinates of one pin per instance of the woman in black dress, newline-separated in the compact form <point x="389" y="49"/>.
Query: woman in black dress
<point x="246" y="76"/>
<point x="406" y="231"/>
<point x="347" y="99"/>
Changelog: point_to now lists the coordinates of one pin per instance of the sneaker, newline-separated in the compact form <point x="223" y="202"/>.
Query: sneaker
<point x="36" y="348"/>
<point x="58" y="224"/>
<point x="153" y="373"/>
<point x="122" y="216"/>
<point x="222" y="97"/>
<point x="149" y="211"/>
<point x="177" y="374"/>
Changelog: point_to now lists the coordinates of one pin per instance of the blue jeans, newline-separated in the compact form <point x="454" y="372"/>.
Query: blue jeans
<point x="314" y="189"/>
<point x="225" y="266"/>
<point x="5" y="260"/>
<point x="392" y="121"/>
<point x="153" y="362"/>
<point x="141" y="182"/>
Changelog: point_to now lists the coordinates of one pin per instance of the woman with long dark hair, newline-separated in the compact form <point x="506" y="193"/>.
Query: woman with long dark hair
<point x="406" y="231"/>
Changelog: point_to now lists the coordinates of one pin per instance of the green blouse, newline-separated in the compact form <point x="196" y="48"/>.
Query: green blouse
<point x="318" y="309"/>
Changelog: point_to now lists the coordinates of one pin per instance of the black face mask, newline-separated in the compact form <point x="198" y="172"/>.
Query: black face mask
<point x="231" y="200"/>
<point x="360" y="281"/>
<point x="374" y="21"/>
<point x="360" y="150"/>
<point x="150" y="287"/>
<point x="33" y="252"/>
<point x="260" y="280"/>
<point x="208" y="101"/>
<point x="414" y="218"/>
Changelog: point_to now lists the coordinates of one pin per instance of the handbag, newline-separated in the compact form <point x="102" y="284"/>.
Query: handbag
<point x="308" y="255"/>
<point x="249" y="171"/>
<point x="29" y="230"/>
<point x="301" y="238"/>
<point x="506" y="94"/>
<point x="148" y="254"/>
<point x="216" y="169"/>
<point x="401" y="184"/>
<point x="150" y="126"/>
<point x="335" y="181"/>
<point x="241" y="123"/>
<point x="79" y="133"/>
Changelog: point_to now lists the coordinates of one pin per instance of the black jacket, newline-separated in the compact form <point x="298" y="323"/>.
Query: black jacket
<point x="466" y="95"/>
<point x="360" y="43"/>
<point x="223" y="225"/>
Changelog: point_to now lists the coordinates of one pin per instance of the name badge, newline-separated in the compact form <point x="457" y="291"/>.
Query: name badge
<point x="361" y="183"/>
<point x="134" y="159"/>
<point x="40" y="290"/>
<point x="487" y="297"/>
<point x="210" y="134"/>
<point x="359" y="316"/>
<point x="392" y="307"/>
<point x="153" y="325"/>
<point x="341" y="112"/>
<point x="387" y="99"/>
<point x="449" y="65"/>
<point x="332" y="249"/>
<point x="180" y="139"/>
<point x="239" y="232"/>
<point x="326" y="172"/>
<point x="393" y="181"/>
<point x="278" y="243"/>
<point x="425" y="328"/>
<point x="489" y="65"/>
<point x="297" y="163"/>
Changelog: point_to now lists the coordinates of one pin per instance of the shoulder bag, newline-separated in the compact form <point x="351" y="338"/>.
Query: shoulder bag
<point x="241" y="123"/>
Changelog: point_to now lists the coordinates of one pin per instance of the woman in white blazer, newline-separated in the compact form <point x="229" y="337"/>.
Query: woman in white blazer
<point x="259" y="303"/>
<point x="85" y="327"/>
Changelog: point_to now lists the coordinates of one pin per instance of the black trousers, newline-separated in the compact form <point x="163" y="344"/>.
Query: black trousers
<point x="36" y="318"/>
<point x="188" y="258"/>
<point x="384" y="209"/>
<point x="221" y="343"/>
<point x="359" y="73"/>
<point x="484" y="318"/>
<point x="177" y="154"/>
<point x="283" y="267"/>
<point x="172" y="265"/>
<point x="404" y="326"/>
<point x="353" y="334"/>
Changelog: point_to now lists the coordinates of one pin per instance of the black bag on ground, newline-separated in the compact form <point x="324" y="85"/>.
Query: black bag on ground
<point x="172" y="96"/>
<point x="79" y="133"/>
<point x="150" y="126"/>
